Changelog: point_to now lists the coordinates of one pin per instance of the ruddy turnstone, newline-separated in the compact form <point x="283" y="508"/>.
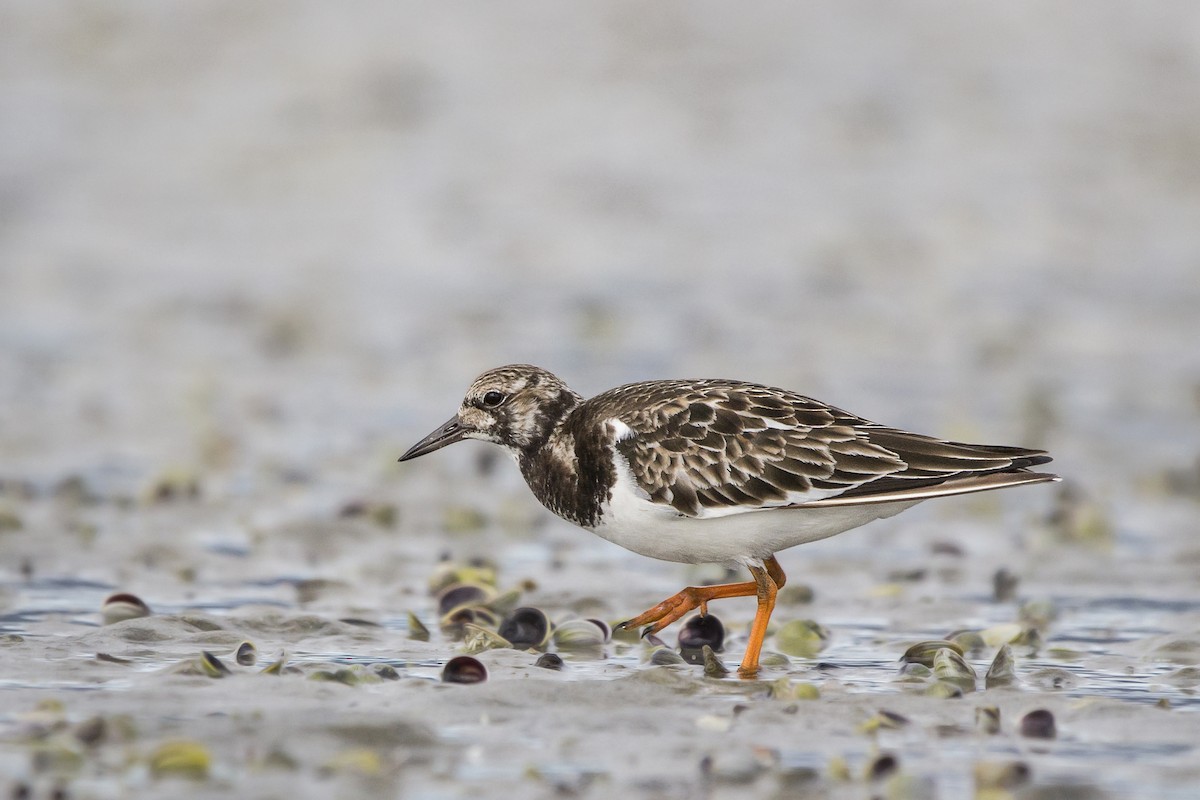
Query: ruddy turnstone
<point x="715" y="471"/>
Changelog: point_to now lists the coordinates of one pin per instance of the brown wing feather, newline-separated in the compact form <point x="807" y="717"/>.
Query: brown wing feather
<point x="706" y="446"/>
<point x="700" y="446"/>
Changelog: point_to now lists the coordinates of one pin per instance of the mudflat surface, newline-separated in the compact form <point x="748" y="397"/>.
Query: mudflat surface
<point x="248" y="255"/>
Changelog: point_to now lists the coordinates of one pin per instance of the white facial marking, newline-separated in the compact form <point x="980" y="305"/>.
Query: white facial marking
<point x="476" y="419"/>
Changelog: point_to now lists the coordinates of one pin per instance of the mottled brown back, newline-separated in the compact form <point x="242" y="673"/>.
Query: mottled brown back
<point x="705" y="445"/>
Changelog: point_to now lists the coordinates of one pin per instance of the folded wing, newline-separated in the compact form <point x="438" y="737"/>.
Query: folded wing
<point x="712" y="448"/>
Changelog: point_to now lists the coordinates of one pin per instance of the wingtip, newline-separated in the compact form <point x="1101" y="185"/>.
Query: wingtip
<point x="978" y="483"/>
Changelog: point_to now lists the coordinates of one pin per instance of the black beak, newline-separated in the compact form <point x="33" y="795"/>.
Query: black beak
<point x="448" y="433"/>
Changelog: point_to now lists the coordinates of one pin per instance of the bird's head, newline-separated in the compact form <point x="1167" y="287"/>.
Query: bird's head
<point x="515" y="406"/>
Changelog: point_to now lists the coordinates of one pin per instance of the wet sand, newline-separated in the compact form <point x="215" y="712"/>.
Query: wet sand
<point x="248" y="256"/>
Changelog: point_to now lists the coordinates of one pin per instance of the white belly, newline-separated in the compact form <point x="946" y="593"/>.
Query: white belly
<point x="632" y="521"/>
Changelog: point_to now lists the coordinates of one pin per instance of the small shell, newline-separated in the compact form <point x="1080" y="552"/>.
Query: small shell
<point x="665" y="657"/>
<point x="276" y="667"/>
<point x="1004" y="585"/>
<point x="1038" y="724"/>
<point x="212" y="666"/>
<point x="549" y="661"/>
<point x="1003" y="671"/>
<point x="702" y="631"/>
<point x="183" y="759"/>
<point x="580" y="634"/>
<point x="772" y="659"/>
<point x="605" y="629"/>
<point x="387" y="672"/>
<point x="246" y="654"/>
<point x="462" y="595"/>
<point x="526" y="627"/>
<point x="416" y="629"/>
<point x="949" y="666"/>
<point x="713" y="668"/>
<point x="924" y="652"/>
<point x="802" y="637"/>
<point x="882" y="766"/>
<point x="123" y="606"/>
<point x="464" y="669"/>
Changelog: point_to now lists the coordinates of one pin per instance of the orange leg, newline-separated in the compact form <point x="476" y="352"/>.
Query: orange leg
<point x="767" y="587"/>
<point x="765" y="584"/>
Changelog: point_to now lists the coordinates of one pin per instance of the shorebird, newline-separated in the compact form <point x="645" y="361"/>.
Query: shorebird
<point x="725" y="471"/>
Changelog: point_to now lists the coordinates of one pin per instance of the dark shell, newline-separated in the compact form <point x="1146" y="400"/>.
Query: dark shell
<point x="124" y="597"/>
<point x="525" y="627"/>
<point x="549" y="661"/>
<point x="247" y="654"/>
<point x="461" y="594"/>
<point x="387" y="672"/>
<point x="883" y="766"/>
<point x="1038" y="724"/>
<point x="464" y="669"/>
<point x="698" y="632"/>
<point x="1004" y="585"/>
<point x="123" y="606"/>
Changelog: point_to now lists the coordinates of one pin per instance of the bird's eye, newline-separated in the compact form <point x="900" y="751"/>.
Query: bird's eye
<point x="493" y="398"/>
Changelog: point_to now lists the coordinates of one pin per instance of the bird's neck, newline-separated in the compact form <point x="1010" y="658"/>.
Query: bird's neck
<point x="571" y="473"/>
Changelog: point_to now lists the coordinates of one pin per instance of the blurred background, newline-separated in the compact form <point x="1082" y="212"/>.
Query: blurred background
<point x="234" y="234"/>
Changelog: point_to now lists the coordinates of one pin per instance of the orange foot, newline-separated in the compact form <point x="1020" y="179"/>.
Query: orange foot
<point x="689" y="599"/>
<point x="765" y="584"/>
